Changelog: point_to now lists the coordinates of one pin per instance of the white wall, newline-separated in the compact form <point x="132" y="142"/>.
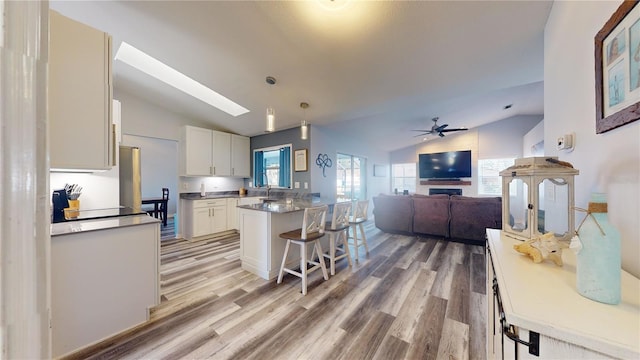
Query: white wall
<point x="608" y="162"/>
<point x="330" y="143"/>
<point x="500" y="139"/>
<point x="140" y="117"/>
<point x="505" y="138"/>
<point x="211" y="184"/>
<point x="532" y="140"/>
<point x="99" y="190"/>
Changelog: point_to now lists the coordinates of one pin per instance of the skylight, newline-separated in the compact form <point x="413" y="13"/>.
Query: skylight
<point x="151" y="66"/>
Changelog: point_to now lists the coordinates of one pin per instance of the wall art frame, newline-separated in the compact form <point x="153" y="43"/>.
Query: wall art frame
<point x="379" y="170"/>
<point x="300" y="162"/>
<point x="617" y="68"/>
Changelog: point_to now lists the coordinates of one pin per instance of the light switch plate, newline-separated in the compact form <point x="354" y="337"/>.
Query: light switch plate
<point x="296" y="185"/>
<point x="306" y="185"/>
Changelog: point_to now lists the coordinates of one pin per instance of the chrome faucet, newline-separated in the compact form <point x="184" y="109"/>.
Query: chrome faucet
<point x="264" y="176"/>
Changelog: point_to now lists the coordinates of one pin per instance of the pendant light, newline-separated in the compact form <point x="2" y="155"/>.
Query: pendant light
<point x="304" y="127"/>
<point x="271" y="113"/>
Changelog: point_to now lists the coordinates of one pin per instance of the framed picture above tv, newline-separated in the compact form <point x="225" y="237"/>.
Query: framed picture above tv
<point x="445" y="165"/>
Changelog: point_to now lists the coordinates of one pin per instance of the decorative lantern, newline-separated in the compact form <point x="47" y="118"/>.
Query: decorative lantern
<point x="538" y="197"/>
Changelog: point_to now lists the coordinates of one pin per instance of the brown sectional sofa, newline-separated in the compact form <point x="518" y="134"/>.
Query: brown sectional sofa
<point x="459" y="218"/>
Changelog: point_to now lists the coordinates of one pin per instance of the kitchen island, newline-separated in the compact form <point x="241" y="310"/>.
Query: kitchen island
<point x="261" y="247"/>
<point x="104" y="278"/>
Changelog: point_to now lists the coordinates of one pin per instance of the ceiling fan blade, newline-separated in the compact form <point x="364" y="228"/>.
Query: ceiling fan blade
<point x="427" y="131"/>
<point x="449" y="130"/>
<point x="419" y="135"/>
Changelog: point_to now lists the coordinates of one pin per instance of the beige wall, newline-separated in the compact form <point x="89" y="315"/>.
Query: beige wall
<point x="608" y="162"/>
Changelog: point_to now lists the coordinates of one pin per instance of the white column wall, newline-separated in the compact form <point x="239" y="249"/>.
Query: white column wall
<point x="24" y="175"/>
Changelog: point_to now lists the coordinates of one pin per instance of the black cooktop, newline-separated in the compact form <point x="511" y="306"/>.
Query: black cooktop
<point x="99" y="214"/>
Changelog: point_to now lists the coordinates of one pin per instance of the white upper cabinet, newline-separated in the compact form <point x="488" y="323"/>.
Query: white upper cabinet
<point x="240" y="156"/>
<point x="196" y="144"/>
<point x="221" y="154"/>
<point x="207" y="152"/>
<point x="79" y="96"/>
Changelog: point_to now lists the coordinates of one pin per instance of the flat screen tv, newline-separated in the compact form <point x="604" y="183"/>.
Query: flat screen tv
<point x="445" y="165"/>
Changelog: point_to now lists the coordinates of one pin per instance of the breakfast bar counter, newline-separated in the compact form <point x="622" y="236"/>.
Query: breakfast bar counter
<point x="261" y="248"/>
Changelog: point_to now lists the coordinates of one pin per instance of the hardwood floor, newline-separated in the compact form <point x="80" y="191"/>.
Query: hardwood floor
<point x="411" y="298"/>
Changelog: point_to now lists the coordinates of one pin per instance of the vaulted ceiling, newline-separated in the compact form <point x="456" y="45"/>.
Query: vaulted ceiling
<point x="372" y="70"/>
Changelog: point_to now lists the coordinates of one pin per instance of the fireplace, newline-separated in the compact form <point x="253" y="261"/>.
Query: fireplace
<point x="433" y="191"/>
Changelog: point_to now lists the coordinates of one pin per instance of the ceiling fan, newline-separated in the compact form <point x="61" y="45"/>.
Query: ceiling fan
<point x="438" y="129"/>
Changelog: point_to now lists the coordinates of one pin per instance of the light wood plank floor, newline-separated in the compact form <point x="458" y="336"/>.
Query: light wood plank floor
<point x="410" y="298"/>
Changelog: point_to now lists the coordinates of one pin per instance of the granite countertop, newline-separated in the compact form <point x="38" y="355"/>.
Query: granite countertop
<point x="275" y="193"/>
<point x="72" y="227"/>
<point x="92" y="214"/>
<point x="283" y="206"/>
<point x="209" y="195"/>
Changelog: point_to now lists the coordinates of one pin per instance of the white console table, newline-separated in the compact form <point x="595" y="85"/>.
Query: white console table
<point x="541" y="300"/>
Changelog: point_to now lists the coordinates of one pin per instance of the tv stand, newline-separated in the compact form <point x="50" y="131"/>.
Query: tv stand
<point x="445" y="182"/>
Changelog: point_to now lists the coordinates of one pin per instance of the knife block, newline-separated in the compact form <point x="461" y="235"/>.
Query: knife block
<point x="72" y="211"/>
<point x="74" y="204"/>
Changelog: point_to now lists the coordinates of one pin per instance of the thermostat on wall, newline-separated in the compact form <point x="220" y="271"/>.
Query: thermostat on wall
<point x="566" y="142"/>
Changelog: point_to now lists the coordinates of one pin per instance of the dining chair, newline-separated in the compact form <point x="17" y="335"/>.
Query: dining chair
<point x="356" y="222"/>
<point x="337" y="231"/>
<point x="312" y="230"/>
<point x="163" y="206"/>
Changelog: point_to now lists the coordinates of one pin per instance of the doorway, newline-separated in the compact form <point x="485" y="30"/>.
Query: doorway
<point x="159" y="167"/>
<point x="351" y="177"/>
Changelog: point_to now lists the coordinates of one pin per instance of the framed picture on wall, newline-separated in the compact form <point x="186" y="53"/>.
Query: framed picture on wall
<point x="617" y="69"/>
<point x="300" y="160"/>
<point x="379" y="170"/>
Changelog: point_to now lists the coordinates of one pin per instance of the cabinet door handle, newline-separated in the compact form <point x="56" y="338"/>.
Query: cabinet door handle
<point x="114" y="143"/>
<point x="214" y="171"/>
<point x="533" y="344"/>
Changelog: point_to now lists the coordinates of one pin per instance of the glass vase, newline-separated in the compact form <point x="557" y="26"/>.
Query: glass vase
<point x="598" y="267"/>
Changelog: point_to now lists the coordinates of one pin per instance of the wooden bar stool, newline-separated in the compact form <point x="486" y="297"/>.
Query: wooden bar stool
<point x="356" y="221"/>
<point x="337" y="230"/>
<point x="313" y="225"/>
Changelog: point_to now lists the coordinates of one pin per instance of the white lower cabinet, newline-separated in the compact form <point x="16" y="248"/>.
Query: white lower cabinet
<point x="103" y="280"/>
<point x="232" y="213"/>
<point x="205" y="217"/>
<point x="232" y="209"/>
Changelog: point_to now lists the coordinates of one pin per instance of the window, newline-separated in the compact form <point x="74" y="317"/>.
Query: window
<point x="272" y="167"/>
<point x="489" y="181"/>
<point x="403" y="177"/>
